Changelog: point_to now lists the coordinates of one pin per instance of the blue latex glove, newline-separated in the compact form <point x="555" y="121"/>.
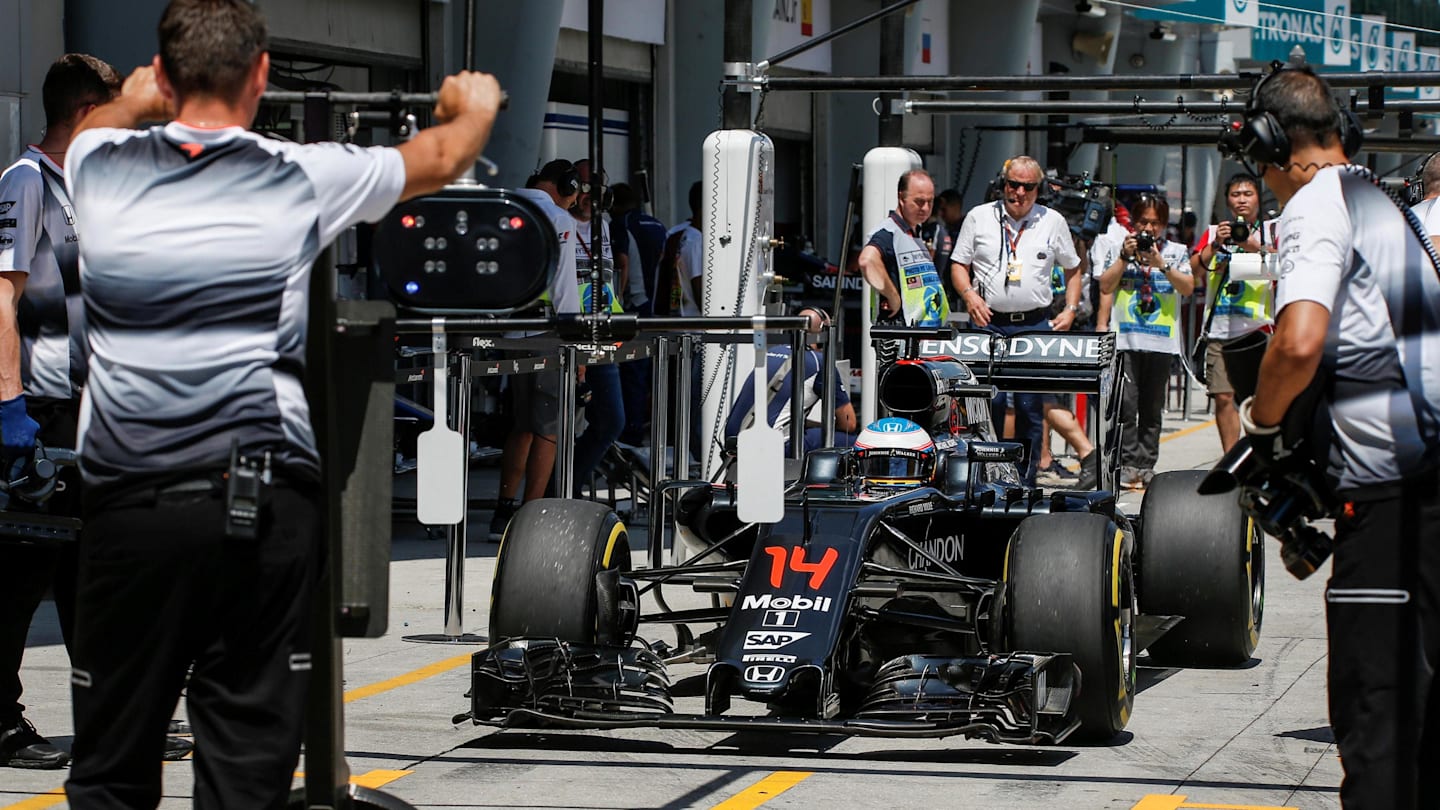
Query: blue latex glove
<point x="17" y="429"/>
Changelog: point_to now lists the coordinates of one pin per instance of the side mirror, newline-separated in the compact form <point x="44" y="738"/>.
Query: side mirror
<point x="1013" y="452"/>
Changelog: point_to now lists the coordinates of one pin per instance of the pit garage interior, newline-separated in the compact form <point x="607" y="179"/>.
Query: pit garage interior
<point x="672" y="74"/>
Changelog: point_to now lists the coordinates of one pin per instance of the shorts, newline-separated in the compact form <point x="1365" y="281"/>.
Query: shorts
<point x="536" y="401"/>
<point x="1233" y="366"/>
<point x="1216" y="380"/>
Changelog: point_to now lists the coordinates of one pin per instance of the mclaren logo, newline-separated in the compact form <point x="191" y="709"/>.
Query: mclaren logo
<point x="764" y="674"/>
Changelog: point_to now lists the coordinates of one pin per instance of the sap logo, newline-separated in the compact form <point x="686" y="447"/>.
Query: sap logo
<point x="759" y="640"/>
<point x="781" y="618"/>
<point x="768" y="658"/>
<point x="945" y="549"/>
<point x="764" y="674"/>
<point x="767" y="602"/>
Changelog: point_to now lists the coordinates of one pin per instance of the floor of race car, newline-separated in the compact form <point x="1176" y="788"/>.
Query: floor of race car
<point x="1242" y="738"/>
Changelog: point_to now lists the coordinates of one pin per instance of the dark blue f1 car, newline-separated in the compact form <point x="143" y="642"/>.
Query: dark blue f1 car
<point x="944" y="599"/>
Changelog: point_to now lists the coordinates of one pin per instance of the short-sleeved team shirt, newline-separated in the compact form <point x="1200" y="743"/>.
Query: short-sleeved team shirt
<point x="689" y="265"/>
<point x="1041" y="240"/>
<point x="38" y="238"/>
<point x="196" y="273"/>
<point x="1147" y="307"/>
<point x="911" y="268"/>
<point x="563" y="292"/>
<point x="1347" y="247"/>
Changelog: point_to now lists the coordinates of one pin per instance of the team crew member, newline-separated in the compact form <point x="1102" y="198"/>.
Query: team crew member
<point x="898" y="266"/>
<point x="683" y="263"/>
<point x="780" y="371"/>
<point x="1359" y="314"/>
<point x="605" y="415"/>
<point x="529" y="453"/>
<point x="197" y="327"/>
<point x="42" y="369"/>
<point x="1425" y="209"/>
<point x="1001" y="269"/>
<point x="1148" y="286"/>
<point x="642" y="238"/>
<point x="1243" y="310"/>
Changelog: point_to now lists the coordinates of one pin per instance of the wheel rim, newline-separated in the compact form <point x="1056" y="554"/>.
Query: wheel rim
<point x="1255" y="568"/>
<point x="1129" y="608"/>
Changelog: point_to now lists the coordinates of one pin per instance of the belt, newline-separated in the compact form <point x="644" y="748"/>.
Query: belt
<point x="1023" y="316"/>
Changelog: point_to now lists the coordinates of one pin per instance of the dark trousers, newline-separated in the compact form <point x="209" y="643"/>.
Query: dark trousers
<point x="1242" y="358"/>
<point x="1142" y="410"/>
<point x="162" y="587"/>
<point x="1029" y="412"/>
<point x="635" y="383"/>
<point x="1382" y="614"/>
<point x="605" y="418"/>
<point x="28" y="570"/>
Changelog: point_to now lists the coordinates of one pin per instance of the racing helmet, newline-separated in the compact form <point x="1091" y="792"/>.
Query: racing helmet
<point x="895" y="452"/>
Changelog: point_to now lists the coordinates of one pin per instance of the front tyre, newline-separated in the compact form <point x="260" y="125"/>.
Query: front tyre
<point x="1069" y="588"/>
<point x="546" y="572"/>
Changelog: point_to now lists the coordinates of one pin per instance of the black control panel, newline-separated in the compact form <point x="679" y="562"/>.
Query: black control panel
<point x="466" y="250"/>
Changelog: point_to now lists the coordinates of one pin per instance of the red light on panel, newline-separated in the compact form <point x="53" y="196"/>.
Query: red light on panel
<point x="407" y="221"/>
<point x="516" y="223"/>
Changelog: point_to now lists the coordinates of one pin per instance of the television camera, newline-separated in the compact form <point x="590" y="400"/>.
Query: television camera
<point x="1084" y="203"/>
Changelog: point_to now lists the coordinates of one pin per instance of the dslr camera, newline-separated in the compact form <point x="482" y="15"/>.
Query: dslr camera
<point x="1144" y="242"/>
<point x="1239" y="232"/>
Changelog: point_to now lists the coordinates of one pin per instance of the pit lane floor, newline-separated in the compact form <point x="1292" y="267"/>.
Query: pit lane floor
<point x="1255" y="737"/>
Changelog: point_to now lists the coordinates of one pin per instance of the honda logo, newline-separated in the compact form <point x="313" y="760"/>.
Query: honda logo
<point x="764" y="674"/>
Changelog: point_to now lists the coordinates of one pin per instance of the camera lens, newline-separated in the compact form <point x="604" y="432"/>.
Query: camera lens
<point x="1144" y="242"/>
<point x="1239" y="232"/>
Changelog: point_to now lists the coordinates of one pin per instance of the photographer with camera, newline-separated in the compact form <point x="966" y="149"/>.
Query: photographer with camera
<point x="1240" y="313"/>
<point x="1148" y="278"/>
<point x="1358" y="322"/>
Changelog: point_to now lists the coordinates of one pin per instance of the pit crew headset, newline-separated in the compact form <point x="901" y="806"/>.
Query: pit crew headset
<point x="563" y="174"/>
<point x="1259" y="139"/>
<point x="1415" y="186"/>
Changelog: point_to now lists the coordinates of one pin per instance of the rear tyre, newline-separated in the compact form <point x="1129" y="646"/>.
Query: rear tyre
<point x="1069" y="589"/>
<point x="545" y="574"/>
<point x="1201" y="558"/>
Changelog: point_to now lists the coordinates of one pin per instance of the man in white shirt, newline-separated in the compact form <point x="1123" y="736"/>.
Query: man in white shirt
<point x="682" y="265"/>
<point x="1001" y="269"/>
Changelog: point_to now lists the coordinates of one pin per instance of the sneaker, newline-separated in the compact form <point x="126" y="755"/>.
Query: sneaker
<point x="1131" y="478"/>
<point x="1089" y="472"/>
<point x="21" y="746"/>
<point x="504" y="510"/>
<point x="1146" y="476"/>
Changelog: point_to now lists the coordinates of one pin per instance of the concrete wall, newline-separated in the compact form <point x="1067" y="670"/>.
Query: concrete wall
<point x="30" y="39"/>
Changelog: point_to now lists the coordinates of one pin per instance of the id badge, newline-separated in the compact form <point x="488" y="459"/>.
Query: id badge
<point x="1012" y="275"/>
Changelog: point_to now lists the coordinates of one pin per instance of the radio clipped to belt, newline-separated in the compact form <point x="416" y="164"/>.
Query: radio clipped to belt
<point x="246" y="482"/>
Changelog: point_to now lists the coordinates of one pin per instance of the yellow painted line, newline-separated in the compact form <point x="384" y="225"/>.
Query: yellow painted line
<point x="408" y="678"/>
<point x="1161" y="802"/>
<point x="764" y="790"/>
<point x="50" y="799"/>
<point x="378" y="779"/>
<point x="1186" y="432"/>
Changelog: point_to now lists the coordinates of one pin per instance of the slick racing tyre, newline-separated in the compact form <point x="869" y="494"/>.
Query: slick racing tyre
<point x="545" y="575"/>
<point x="1203" y="559"/>
<point x="360" y="797"/>
<point x="1068" y="588"/>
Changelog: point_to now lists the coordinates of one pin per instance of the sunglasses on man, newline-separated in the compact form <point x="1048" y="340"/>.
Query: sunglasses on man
<point x="1018" y="184"/>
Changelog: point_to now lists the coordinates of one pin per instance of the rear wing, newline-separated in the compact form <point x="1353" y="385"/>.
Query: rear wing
<point x="1036" y="362"/>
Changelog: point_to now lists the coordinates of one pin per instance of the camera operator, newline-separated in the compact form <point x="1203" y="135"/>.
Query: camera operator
<point x="196" y="318"/>
<point x="1359" y="317"/>
<point x="1001" y="269"/>
<point x="1240" y="313"/>
<point x="1148" y="279"/>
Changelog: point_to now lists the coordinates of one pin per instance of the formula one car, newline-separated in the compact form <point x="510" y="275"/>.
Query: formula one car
<point x="912" y="589"/>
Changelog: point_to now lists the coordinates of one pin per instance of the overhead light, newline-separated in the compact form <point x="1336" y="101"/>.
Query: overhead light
<point x="1089" y="9"/>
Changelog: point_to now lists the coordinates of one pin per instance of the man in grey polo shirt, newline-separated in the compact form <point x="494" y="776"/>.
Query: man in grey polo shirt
<point x="1001" y="270"/>
<point x="199" y="238"/>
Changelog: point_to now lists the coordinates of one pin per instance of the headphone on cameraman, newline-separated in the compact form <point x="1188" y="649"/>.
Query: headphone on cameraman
<point x="1261" y="139"/>
<point x="563" y="174"/>
<point x="1415" y="185"/>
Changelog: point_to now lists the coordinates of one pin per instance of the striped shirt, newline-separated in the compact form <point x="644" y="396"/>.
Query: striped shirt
<point x="196" y="277"/>
<point x="1346" y="246"/>
<point x="38" y="238"/>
